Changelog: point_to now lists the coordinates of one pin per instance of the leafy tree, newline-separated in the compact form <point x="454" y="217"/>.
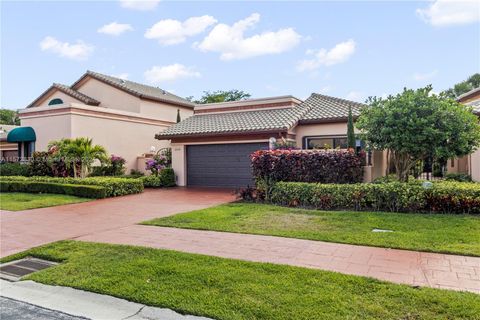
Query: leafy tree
<point x="220" y="96"/>
<point x="79" y="153"/>
<point x="351" y="141"/>
<point x="178" y="116"/>
<point x="9" y="117"/>
<point x="460" y="88"/>
<point x="415" y="125"/>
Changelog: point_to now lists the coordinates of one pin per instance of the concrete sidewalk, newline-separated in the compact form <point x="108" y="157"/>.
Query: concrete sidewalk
<point x="414" y="268"/>
<point x="78" y="303"/>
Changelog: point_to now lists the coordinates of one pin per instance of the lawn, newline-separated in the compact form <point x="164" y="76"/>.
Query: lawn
<point x="16" y="201"/>
<point x="457" y="234"/>
<point x="232" y="289"/>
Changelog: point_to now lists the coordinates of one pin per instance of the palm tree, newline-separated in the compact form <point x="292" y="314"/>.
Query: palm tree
<point x="79" y="152"/>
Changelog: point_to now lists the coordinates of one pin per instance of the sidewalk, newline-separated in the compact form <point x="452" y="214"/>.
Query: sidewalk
<point x="80" y="304"/>
<point x="400" y="266"/>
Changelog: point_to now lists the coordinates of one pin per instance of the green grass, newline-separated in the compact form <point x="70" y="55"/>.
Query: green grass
<point x="16" y="201"/>
<point x="232" y="289"/>
<point x="457" y="234"/>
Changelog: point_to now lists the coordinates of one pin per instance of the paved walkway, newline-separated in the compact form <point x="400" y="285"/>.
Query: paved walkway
<point x="400" y="266"/>
<point x="22" y="230"/>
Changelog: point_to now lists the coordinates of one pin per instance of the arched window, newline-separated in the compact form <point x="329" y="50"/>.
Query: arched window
<point x="55" y="101"/>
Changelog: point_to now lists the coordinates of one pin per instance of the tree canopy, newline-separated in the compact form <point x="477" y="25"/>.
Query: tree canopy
<point x="460" y="88"/>
<point x="220" y="96"/>
<point x="416" y="124"/>
<point x="9" y="117"/>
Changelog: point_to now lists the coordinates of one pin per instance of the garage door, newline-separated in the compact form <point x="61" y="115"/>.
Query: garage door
<point x="221" y="165"/>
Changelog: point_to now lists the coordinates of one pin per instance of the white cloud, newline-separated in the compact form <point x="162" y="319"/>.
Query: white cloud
<point x="323" y="57"/>
<point x="141" y="5"/>
<point x="424" y="76"/>
<point x="123" y="76"/>
<point x="115" y="28"/>
<point x="230" y="42"/>
<point x="158" y="74"/>
<point x="170" y="31"/>
<point x="77" y="51"/>
<point x="450" y="12"/>
<point x="355" y="96"/>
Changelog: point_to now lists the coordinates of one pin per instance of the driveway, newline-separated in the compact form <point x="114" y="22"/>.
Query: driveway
<point x="22" y="230"/>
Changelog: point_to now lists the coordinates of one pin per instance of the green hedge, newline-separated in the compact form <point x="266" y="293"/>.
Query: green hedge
<point x="166" y="178"/>
<point x="95" y="192"/>
<point x="442" y="197"/>
<point x="14" y="169"/>
<point x="113" y="186"/>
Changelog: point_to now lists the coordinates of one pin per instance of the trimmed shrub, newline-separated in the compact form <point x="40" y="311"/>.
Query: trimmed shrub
<point x="442" y="197"/>
<point x="166" y="178"/>
<point x="113" y="186"/>
<point x="95" y="192"/>
<point x="40" y="165"/>
<point x="151" y="181"/>
<point x="460" y="177"/>
<point x="308" y="166"/>
<point x="14" y="169"/>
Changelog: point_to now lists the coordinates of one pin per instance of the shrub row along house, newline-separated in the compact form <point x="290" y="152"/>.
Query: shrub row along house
<point x="211" y="146"/>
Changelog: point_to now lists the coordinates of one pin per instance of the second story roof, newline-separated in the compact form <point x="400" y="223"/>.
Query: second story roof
<point x="317" y="108"/>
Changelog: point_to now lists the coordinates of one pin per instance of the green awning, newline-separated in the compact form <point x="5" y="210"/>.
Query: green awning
<point x="22" y="134"/>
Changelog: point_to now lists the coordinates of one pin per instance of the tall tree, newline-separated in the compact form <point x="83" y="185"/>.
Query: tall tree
<point x="416" y="124"/>
<point x="178" y="116"/>
<point x="221" y="96"/>
<point x="351" y="141"/>
<point x="9" y="117"/>
<point x="460" y="88"/>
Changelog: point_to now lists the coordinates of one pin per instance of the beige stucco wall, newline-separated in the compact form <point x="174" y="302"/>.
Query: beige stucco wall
<point x="49" y="128"/>
<point x="109" y="96"/>
<point x="123" y="138"/>
<point x="54" y="95"/>
<point x="164" y="111"/>
<point x="475" y="165"/>
<point x="127" y="136"/>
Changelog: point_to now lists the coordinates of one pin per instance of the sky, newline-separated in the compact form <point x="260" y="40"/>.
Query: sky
<point x="344" y="49"/>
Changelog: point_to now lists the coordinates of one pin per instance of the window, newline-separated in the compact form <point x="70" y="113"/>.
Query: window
<point x="55" y="101"/>
<point x="326" y="143"/>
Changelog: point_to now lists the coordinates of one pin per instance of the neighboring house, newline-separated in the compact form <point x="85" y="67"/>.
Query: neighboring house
<point x="469" y="164"/>
<point x="121" y="115"/>
<point x="8" y="150"/>
<point x="212" y="147"/>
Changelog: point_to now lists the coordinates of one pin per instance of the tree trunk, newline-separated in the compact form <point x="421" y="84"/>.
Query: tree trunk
<point x="403" y="164"/>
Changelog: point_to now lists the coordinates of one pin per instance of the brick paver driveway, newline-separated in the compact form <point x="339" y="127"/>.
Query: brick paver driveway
<point x="22" y="230"/>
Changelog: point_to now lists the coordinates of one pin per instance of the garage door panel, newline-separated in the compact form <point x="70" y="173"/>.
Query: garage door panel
<point x="221" y="165"/>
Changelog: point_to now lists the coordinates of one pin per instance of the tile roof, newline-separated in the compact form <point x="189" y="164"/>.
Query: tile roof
<point x="316" y="108"/>
<point x="326" y="108"/>
<point x="76" y="94"/>
<point x="137" y="89"/>
<point x="235" y="122"/>
<point x="68" y="91"/>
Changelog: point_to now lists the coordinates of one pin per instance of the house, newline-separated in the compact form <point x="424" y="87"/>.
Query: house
<point x="8" y="150"/>
<point x="121" y="115"/>
<point x="469" y="164"/>
<point x="212" y="147"/>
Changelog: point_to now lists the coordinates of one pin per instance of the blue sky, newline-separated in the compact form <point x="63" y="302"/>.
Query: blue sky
<point x="344" y="49"/>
